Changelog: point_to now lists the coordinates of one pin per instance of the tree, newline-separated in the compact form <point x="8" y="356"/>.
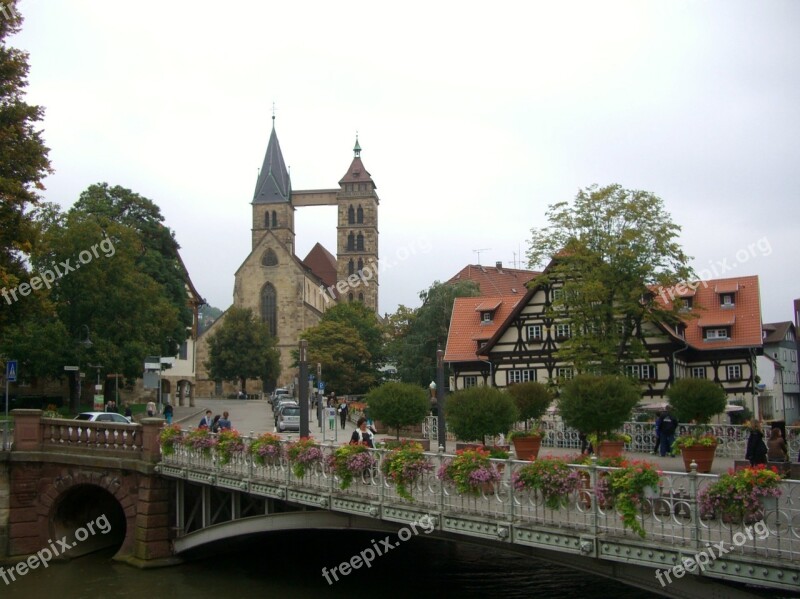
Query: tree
<point x="242" y="348"/>
<point x="532" y="399"/>
<point x="613" y="248"/>
<point x="598" y="404"/>
<point x="416" y="335"/>
<point x="23" y="164"/>
<point x="696" y="400"/>
<point x="398" y="405"/>
<point x="365" y="322"/>
<point x="477" y="412"/>
<point x="343" y="355"/>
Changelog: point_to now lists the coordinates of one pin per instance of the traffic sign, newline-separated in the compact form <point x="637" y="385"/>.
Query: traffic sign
<point x="11" y="371"/>
<point x="71" y="368"/>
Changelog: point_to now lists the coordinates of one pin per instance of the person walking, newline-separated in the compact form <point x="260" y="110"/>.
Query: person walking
<point x="362" y="435"/>
<point x="331" y="417"/>
<point x="224" y="423"/>
<point x="657" y="430"/>
<point x="168" y="412"/>
<point x="666" y="430"/>
<point x="343" y="413"/>
<point x="756" y="450"/>
<point x="777" y="450"/>
<point x="151" y="409"/>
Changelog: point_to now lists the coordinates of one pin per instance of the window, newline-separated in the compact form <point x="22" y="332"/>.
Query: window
<point x="643" y="372"/>
<point x="351" y="216"/>
<point x="534" y="332"/>
<point x="793" y="353"/>
<point x="698" y="372"/>
<point x="351" y="242"/>
<point x="726" y="300"/>
<point x="361" y="297"/>
<point x="360" y="215"/>
<point x="266" y="220"/>
<point x="269" y="258"/>
<point x="521" y="376"/>
<point x="734" y="372"/>
<point x="482" y="344"/>
<point x="360" y="265"/>
<point x="351" y="267"/>
<point x="470" y="381"/>
<point x="360" y="243"/>
<point x="274" y="219"/>
<point x="486" y="317"/>
<point x="183" y="352"/>
<point x="350" y="297"/>
<point x="686" y="304"/>
<point x="562" y="331"/>
<point x="269" y="308"/>
<point x="716" y="333"/>
<point x="558" y="294"/>
<point x="564" y="374"/>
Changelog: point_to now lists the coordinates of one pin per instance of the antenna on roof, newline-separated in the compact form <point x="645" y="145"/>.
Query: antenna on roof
<point x="273" y="114"/>
<point x="479" y="253"/>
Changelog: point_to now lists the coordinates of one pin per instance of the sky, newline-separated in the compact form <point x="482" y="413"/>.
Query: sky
<point x="473" y="118"/>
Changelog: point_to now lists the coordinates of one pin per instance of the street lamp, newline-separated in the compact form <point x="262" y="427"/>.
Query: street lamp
<point x="440" y="423"/>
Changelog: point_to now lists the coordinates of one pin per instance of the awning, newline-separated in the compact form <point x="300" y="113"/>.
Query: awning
<point x="717" y="320"/>
<point x="489" y="306"/>
<point x="727" y="287"/>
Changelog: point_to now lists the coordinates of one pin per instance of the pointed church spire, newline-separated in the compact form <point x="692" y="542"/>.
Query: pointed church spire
<point x="274" y="184"/>
<point x="357" y="148"/>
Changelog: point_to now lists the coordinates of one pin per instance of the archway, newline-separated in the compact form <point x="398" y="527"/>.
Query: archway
<point x="87" y="518"/>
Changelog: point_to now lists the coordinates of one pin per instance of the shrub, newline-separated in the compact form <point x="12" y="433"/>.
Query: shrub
<point x="532" y="400"/>
<point x="598" y="404"/>
<point x="479" y="411"/>
<point x="696" y="399"/>
<point x="398" y="404"/>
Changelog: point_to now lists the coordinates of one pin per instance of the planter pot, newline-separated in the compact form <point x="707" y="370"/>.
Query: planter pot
<point x="610" y="449"/>
<point x="702" y="454"/>
<point x="527" y="448"/>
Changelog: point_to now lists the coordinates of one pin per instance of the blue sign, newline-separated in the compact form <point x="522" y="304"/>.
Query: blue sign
<point x="321" y="387"/>
<point x="11" y="371"/>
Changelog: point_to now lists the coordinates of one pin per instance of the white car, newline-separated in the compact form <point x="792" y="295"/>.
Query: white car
<point x="103" y="417"/>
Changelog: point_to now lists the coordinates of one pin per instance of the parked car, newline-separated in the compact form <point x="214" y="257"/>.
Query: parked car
<point x="103" y="417"/>
<point x="278" y="409"/>
<point x="288" y="418"/>
<point x="283" y="399"/>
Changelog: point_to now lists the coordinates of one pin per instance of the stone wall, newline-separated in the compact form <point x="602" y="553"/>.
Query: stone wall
<point x="5" y="495"/>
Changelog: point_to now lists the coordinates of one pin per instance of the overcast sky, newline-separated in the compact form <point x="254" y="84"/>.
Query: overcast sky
<point x="473" y="118"/>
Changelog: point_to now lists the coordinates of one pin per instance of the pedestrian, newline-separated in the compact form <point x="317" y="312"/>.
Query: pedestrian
<point x="128" y="411"/>
<point x="214" y="428"/>
<point x="362" y="435"/>
<point x="586" y="446"/>
<point x="666" y="431"/>
<point x="205" y="421"/>
<point x="657" y="430"/>
<point x="224" y="422"/>
<point x="777" y="450"/>
<point x="331" y="418"/>
<point x="151" y="409"/>
<point x="168" y="412"/>
<point x="756" y="451"/>
<point x="343" y="413"/>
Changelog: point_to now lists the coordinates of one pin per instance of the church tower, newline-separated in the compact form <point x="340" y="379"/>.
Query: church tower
<point x="357" y="234"/>
<point x="272" y="200"/>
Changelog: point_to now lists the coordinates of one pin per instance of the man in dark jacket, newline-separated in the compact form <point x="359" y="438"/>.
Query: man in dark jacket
<point x="756" y="451"/>
<point x="666" y="431"/>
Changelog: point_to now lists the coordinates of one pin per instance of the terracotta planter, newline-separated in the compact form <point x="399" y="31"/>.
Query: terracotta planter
<point x="527" y="448"/>
<point x="610" y="449"/>
<point x="702" y="454"/>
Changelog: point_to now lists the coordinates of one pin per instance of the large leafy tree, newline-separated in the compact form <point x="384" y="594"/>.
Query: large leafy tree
<point x="365" y="322"/>
<point x="343" y="355"/>
<point x="612" y="248"/>
<point x="415" y="335"/>
<point x="23" y="165"/>
<point x="242" y="348"/>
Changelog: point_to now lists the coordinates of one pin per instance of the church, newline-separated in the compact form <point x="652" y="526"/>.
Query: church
<point x="286" y="291"/>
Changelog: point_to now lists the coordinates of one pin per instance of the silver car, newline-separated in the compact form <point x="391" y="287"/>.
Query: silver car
<point x="288" y="418"/>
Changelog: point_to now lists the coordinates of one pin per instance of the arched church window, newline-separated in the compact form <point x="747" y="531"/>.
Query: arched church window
<point x="360" y="243"/>
<point x="350" y="267"/>
<point x="350" y="297"/>
<point x="351" y="216"/>
<point x="269" y="258"/>
<point x="266" y="219"/>
<point x="360" y="215"/>
<point x="361" y="297"/>
<point x="269" y="308"/>
<point x="351" y="242"/>
<point x="360" y="265"/>
<point x="274" y="219"/>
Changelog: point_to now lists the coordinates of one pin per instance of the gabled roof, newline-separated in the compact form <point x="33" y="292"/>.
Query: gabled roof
<point x="776" y="331"/>
<point x="322" y="263"/>
<point x="496" y="280"/>
<point x="273" y="185"/>
<point x="356" y="173"/>
<point x="466" y="327"/>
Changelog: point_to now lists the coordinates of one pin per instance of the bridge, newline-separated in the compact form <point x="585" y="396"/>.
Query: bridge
<point x="176" y="504"/>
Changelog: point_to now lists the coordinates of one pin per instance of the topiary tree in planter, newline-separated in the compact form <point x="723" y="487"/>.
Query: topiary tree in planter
<point x="696" y="400"/>
<point x="598" y="404"/>
<point x="532" y="400"/>
<point x="476" y="412"/>
<point x="398" y="404"/>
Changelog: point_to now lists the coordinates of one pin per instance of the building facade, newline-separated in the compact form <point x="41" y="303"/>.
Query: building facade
<point x="777" y="369"/>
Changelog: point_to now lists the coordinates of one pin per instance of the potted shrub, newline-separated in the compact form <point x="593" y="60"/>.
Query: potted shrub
<point x="741" y="496"/>
<point x="626" y="488"/>
<point x="169" y="437"/>
<point x="404" y="465"/>
<point x="599" y="405"/>
<point x="550" y="478"/>
<point x="474" y="413"/>
<point x="229" y="443"/>
<point x="302" y="454"/>
<point x="201" y="440"/>
<point x="266" y="449"/>
<point x="470" y="472"/>
<point x="349" y="461"/>
<point x="696" y="400"/>
<point x="532" y="400"/>
<point x="397" y="405"/>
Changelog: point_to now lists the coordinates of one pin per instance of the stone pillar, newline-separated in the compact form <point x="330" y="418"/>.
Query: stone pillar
<point x="191" y="394"/>
<point x="27" y="430"/>
<point x="152" y="520"/>
<point x="151" y="428"/>
<point x="5" y="496"/>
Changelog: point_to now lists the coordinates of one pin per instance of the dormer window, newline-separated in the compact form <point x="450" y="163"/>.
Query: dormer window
<point x="718" y="333"/>
<point x="486" y="317"/>
<point x="685" y="303"/>
<point x="726" y="300"/>
<point x="482" y="344"/>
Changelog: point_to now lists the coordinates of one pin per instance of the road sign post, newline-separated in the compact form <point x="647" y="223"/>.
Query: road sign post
<point x="12" y="370"/>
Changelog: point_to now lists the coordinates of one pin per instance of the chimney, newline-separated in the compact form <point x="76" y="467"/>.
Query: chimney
<point x="498" y="265"/>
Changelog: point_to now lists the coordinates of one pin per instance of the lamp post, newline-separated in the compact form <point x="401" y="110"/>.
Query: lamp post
<point x="440" y="423"/>
<point x="86" y="343"/>
<point x="303" y="388"/>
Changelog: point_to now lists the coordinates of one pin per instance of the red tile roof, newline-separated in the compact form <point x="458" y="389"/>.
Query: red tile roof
<point x="466" y="328"/>
<point x="357" y="173"/>
<point x="322" y="263"/>
<point x="496" y="280"/>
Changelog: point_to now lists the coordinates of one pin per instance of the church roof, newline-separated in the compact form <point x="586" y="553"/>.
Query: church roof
<point x="273" y="184"/>
<point x="322" y="263"/>
<point x="357" y="173"/>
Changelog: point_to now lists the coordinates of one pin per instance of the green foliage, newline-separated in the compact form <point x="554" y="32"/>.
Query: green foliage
<point x="607" y="248"/>
<point x="241" y="348"/>
<point x="696" y="399"/>
<point x="344" y="357"/>
<point x="416" y="334"/>
<point x="404" y="465"/>
<point x="532" y="399"/>
<point x="473" y="413"/>
<point x="398" y="405"/>
<point x="598" y="404"/>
